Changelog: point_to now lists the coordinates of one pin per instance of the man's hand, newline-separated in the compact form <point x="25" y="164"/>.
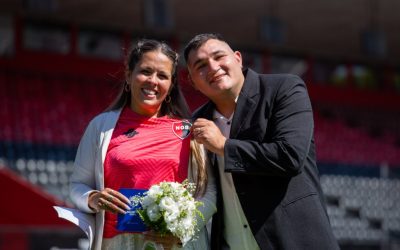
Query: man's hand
<point x="207" y="133"/>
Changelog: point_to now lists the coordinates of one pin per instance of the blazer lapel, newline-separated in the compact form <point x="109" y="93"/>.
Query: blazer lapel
<point x="246" y="102"/>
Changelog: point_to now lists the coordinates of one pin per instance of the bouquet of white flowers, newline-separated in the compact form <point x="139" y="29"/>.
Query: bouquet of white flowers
<point x="169" y="208"/>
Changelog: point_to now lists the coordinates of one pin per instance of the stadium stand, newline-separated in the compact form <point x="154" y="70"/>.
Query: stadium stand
<point x="353" y="145"/>
<point x="46" y="115"/>
<point x="46" y="107"/>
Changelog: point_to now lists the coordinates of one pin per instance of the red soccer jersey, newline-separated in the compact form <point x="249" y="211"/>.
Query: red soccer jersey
<point x="142" y="152"/>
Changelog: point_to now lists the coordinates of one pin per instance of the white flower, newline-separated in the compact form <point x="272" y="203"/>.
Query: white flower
<point x="177" y="188"/>
<point x="175" y="185"/>
<point x="171" y="215"/>
<point x="173" y="226"/>
<point x="187" y="222"/>
<point x="188" y="205"/>
<point x="154" y="192"/>
<point x="153" y="212"/>
<point x="147" y="201"/>
<point x="167" y="204"/>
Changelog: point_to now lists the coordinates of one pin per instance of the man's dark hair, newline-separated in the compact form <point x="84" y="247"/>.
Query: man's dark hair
<point x="198" y="41"/>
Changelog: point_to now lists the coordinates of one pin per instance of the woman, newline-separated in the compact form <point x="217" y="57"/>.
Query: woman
<point x="133" y="144"/>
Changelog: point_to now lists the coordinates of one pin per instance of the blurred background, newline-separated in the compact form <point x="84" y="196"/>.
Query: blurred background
<point x="61" y="62"/>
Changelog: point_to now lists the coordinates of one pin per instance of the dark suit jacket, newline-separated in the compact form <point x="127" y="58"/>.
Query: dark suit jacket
<point x="271" y="156"/>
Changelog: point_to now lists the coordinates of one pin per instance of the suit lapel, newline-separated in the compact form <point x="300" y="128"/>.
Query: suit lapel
<point x="246" y="102"/>
<point x="209" y="111"/>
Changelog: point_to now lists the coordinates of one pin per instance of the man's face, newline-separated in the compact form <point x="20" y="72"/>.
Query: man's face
<point x="215" y="69"/>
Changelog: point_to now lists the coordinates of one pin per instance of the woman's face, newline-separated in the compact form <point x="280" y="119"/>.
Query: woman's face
<point x="150" y="82"/>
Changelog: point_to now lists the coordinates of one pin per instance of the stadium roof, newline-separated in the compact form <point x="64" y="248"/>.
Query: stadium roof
<point x="331" y="28"/>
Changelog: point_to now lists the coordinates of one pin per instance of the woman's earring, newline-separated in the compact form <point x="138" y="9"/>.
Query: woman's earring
<point x="127" y="87"/>
<point x="168" y="99"/>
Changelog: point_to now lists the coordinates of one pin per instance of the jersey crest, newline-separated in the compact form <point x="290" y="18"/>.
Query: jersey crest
<point x="181" y="129"/>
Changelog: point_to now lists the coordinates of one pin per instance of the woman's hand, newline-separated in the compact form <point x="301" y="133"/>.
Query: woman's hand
<point x="167" y="241"/>
<point x="109" y="200"/>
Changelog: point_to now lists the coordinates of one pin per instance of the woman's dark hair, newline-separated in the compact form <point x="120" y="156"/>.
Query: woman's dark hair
<point x="177" y="107"/>
<point x="199" y="40"/>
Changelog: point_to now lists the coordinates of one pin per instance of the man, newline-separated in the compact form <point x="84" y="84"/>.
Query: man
<point x="259" y="132"/>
